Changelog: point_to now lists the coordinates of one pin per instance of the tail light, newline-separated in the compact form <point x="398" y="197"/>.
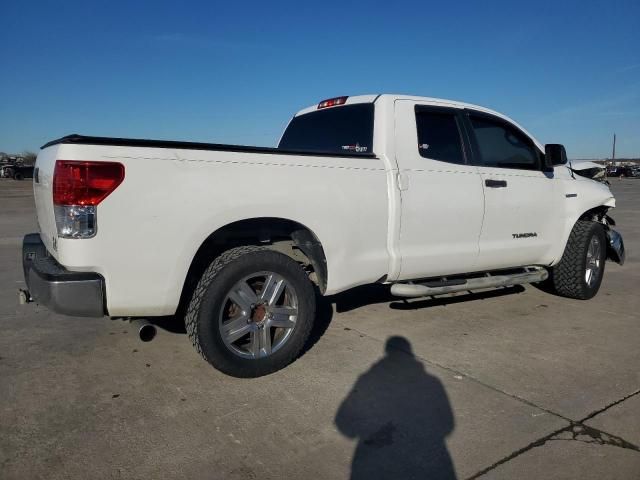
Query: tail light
<point x="78" y="188"/>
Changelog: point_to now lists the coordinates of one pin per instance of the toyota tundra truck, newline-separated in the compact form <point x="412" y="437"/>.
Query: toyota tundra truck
<point x="428" y="196"/>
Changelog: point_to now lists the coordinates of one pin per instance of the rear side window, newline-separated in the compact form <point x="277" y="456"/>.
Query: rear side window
<point x="502" y="145"/>
<point x="346" y="129"/>
<point x="439" y="136"/>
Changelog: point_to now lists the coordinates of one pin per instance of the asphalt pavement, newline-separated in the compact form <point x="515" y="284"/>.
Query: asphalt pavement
<point x="510" y="383"/>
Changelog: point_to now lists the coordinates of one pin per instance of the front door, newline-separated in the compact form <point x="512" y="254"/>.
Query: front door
<point x="519" y="221"/>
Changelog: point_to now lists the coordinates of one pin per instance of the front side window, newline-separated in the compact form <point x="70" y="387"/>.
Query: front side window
<point x="346" y="129"/>
<point x="501" y="145"/>
<point x="439" y="136"/>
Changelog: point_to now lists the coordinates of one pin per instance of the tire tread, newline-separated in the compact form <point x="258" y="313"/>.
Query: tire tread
<point x="191" y="317"/>
<point x="202" y="290"/>
<point x="567" y="277"/>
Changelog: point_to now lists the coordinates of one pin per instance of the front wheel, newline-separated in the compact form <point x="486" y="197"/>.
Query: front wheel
<point x="579" y="273"/>
<point x="251" y="312"/>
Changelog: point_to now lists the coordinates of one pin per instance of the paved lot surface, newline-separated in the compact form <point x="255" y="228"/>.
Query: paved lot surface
<point x="511" y="384"/>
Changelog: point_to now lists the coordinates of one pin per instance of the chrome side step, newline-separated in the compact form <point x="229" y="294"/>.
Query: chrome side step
<point x="427" y="289"/>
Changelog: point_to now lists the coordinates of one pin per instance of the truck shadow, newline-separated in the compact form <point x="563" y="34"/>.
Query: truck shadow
<point x="375" y="294"/>
<point x="400" y="416"/>
<point x="357" y="298"/>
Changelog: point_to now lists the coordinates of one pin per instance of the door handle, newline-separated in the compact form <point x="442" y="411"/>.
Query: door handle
<point x="495" y="183"/>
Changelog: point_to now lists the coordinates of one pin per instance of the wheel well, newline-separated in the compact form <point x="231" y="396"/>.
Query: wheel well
<point x="595" y="214"/>
<point x="285" y="236"/>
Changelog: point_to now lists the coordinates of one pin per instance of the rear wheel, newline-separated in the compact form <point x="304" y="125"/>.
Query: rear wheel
<point x="580" y="271"/>
<point x="252" y="312"/>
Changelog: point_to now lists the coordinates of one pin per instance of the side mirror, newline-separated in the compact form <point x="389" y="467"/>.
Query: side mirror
<point x="554" y="154"/>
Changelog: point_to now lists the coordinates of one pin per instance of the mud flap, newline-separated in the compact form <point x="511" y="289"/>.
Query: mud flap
<point x="615" y="247"/>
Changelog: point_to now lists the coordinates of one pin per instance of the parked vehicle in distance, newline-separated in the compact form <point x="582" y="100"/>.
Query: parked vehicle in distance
<point x="7" y="171"/>
<point x="634" y="171"/>
<point x="426" y="195"/>
<point x="17" y="172"/>
<point x="621" y="171"/>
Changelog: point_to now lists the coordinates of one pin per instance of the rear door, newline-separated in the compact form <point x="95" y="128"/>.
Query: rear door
<point x="519" y="217"/>
<point x="441" y="193"/>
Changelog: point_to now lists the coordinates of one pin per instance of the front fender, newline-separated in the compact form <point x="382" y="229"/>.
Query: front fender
<point x="581" y="196"/>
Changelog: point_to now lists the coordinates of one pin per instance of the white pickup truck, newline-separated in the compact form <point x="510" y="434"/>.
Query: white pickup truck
<point x="427" y="195"/>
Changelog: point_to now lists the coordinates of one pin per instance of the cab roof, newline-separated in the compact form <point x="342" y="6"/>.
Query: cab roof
<point x="351" y="100"/>
<point x="441" y="102"/>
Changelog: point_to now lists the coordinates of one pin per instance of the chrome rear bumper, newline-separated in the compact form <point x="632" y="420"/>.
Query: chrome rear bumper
<point x="50" y="284"/>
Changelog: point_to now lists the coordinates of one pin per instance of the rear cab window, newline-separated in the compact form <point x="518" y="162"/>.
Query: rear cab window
<point x="346" y="129"/>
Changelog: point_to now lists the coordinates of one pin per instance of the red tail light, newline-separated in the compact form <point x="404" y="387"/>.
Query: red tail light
<point x="332" y="102"/>
<point x="85" y="183"/>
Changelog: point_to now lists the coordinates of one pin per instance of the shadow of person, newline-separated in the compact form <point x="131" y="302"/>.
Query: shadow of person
<point x="400" y="415"/>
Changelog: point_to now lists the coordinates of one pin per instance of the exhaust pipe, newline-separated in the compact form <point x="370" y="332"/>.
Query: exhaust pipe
<point x="146" y="330"/>
<point x="24" y="297"/>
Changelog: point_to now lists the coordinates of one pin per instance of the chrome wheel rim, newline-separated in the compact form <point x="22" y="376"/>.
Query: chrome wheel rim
<point x="592" y="270"/>
<point x="258" y="315"/>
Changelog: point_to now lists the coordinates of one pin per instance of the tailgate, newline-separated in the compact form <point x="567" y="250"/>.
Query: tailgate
<point x="43" y="193"/>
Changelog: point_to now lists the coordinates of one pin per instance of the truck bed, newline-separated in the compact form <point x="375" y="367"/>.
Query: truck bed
<point x="219" y="147"/>
<point x="176" y="194"/>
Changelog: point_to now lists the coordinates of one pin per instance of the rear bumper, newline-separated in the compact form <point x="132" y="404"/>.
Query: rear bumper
<point x="70" y="293"/>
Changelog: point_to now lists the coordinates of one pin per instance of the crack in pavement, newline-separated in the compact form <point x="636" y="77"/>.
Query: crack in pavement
<point x="608" y="406"/>
<point x="579" y="433"/>
<point x="577" y="429"/>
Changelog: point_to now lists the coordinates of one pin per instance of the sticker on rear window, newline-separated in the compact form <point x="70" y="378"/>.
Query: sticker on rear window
<point x="354" y="148"/>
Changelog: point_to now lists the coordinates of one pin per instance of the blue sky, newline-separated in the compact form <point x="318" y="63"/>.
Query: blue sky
<point x="235" y="72"/>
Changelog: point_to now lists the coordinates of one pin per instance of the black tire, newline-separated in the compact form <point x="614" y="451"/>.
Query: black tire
<point x="209" y="301"/>
<point x="18" y="176"/>
<point x="568" y="277"/>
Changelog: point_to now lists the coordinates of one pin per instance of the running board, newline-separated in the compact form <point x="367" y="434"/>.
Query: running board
<point x="530" y="275"/>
